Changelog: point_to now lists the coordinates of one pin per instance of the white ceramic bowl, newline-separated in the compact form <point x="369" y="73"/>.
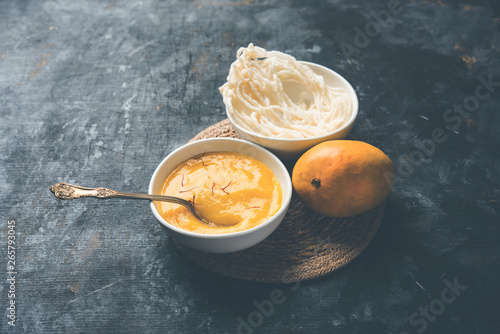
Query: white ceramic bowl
<point x="231" y="242"/>
<point x="292" y="148"/>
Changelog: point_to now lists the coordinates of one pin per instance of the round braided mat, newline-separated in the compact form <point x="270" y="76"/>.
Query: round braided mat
<point x="305" y="245"/>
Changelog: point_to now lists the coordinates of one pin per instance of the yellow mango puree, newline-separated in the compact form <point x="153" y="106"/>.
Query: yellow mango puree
<point x="233" y="191"/>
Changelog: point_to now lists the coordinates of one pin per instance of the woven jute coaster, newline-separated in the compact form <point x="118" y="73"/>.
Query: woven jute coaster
<point x="305" y="245"/>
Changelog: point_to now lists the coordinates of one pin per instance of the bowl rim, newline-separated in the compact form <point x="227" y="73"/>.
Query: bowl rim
<point x="349" y="122"/>
<point x="285" y="201"/>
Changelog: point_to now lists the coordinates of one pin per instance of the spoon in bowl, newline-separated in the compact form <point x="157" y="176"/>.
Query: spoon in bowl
<point x="69" y="191"/>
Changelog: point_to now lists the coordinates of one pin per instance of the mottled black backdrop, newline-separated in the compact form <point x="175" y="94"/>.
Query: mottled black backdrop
<point x="98" y="93"/>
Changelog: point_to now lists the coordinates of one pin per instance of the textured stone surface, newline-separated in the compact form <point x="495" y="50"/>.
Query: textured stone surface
<point x="98" y="93"/>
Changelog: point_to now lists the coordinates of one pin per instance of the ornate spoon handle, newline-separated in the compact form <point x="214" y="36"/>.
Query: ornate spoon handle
<point x="70" y="191"/>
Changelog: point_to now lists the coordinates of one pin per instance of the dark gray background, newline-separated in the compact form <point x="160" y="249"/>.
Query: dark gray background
<point x="98" y="93"/>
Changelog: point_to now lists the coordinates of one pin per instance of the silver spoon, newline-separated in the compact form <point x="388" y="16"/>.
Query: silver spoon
<point x="69" y="191"/>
